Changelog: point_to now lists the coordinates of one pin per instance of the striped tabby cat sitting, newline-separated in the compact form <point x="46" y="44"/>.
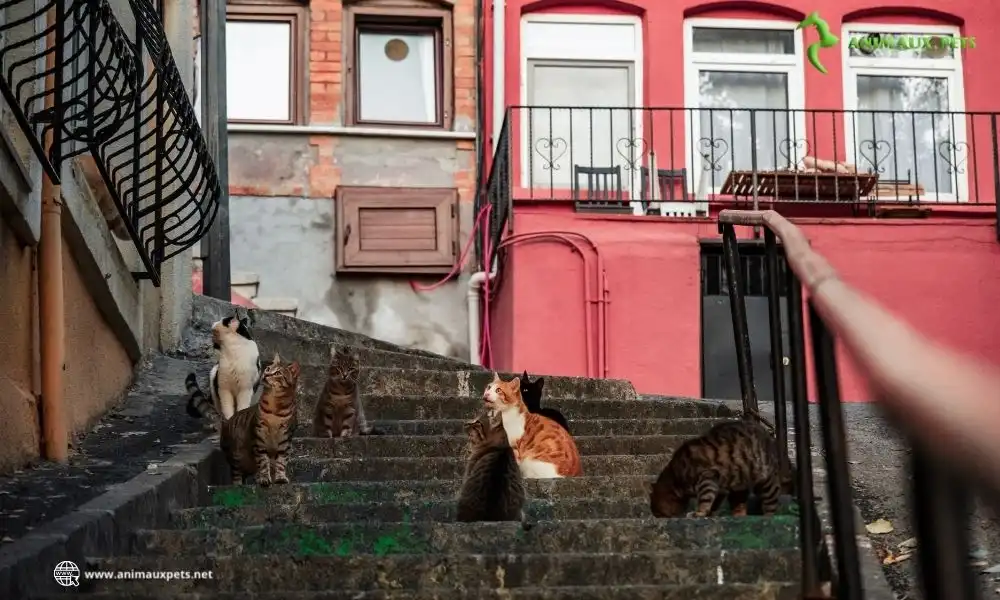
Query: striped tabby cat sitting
<point x="260" y="436"/>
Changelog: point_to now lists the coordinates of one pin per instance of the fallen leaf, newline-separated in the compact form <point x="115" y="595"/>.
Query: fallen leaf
<point x="889" y="560"/>
<point x="910" y="543"/>
<point x="879" y="527"/>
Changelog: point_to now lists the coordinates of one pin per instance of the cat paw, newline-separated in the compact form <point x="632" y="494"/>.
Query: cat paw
<point x="264" y="481"/>
<point x="696" y="515"/>
<point x="281" y="479"/>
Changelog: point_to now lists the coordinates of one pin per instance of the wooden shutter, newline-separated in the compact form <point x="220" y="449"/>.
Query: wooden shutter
<point x="396" y="230"/>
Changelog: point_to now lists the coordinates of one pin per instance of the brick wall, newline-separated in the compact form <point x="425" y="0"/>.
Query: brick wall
<point x="321" y="173"/>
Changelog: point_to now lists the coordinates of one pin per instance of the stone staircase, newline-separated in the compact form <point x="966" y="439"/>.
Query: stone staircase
<point x="373" y="517"/>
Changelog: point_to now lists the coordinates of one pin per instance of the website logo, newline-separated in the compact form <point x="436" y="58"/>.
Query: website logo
<point x="826" y="39"/>
<point x="67" y="574"/>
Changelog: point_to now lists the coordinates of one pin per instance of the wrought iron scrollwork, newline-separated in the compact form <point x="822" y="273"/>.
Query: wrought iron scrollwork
<point x="632" y="150"/>
<point x="121" y="99"/>
<point x="708" y="147"/>
<point x="876" y="153"/>
<point x="551" y="149"/>
<point x="793" y="150"/>
<point x="955" y="154"/>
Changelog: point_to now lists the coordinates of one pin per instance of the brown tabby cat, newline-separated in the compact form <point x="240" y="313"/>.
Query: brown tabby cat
<point x="543" y="448"/>
<point x="261" y="434"/>
<point x="493" y="489"/>
<point x="339" y="412"/>
<point x="733" y="458"/>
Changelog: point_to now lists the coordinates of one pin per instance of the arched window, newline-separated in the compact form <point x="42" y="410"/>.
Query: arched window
<point x="905" y="84"/>
<point x="743" y="81"/>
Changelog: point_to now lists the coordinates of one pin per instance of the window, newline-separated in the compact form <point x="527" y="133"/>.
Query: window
<point x="265" y="62"/>
<point x="734" y="66"/>
<point x="396" y="230"/>
<point x="905" y="129"/>
<point x="398" y="60"/>
<point x="592" y="66"/>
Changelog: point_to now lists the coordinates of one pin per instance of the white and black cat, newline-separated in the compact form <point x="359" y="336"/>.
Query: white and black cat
<point x="235" y="378"/>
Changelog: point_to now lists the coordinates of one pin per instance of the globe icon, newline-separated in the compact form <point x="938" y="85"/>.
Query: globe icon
<point x="67" y="574"/>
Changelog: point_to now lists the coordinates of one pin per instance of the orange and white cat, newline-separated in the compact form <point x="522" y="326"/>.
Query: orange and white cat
<point x="542" y="447"/>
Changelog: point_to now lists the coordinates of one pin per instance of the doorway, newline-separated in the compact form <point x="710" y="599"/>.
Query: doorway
<point x="720" y="375"/>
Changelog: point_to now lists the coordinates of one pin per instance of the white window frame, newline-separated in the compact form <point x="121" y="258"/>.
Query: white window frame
<point x="790" y="65"/>
<point x="594" y="53"/>
<point x="942" y="68"/>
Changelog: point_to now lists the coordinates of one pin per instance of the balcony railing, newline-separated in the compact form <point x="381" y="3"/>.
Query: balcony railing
<point x="604" y="158"/>
<point x="116" y="93"/>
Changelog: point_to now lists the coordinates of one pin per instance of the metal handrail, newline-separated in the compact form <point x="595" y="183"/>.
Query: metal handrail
<point x="944" y="402"/>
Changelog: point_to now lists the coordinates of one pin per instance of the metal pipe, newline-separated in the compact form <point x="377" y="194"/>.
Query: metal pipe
<point x="835" y="451"/>
<point x="50" y="268"/>
<point x="808" y="522"/>
<point x="737" y="307"/>
<point x="777" y="352"/>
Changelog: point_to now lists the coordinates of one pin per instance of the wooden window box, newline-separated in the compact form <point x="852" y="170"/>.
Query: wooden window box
<point x="396" y="230"/>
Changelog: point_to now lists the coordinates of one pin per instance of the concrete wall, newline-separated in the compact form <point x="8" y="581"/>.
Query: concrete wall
<point x="290" y="241"/>
<point x="938" y="274"/>
<point x="282" y="181"/>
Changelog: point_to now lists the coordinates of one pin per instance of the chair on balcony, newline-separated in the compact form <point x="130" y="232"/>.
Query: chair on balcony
<point x="667" y="180"/>
<point x="604" y="190"/>
<point x="894" y="188"/>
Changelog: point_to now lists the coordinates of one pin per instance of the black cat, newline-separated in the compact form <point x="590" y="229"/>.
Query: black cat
<point x="531" y="393"/>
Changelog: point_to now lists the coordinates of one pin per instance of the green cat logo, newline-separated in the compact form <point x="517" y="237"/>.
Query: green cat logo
<point x="826" y="39"/>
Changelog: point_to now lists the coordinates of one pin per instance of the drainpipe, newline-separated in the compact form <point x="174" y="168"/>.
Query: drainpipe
<point x="476" y="281"/>
<point x="50" y="295"/>
<point x="499" y="45"/>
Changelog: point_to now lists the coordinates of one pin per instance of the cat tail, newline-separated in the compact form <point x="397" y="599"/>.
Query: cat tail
<point x="364" y="427"/>
<point x="198" y="404"/>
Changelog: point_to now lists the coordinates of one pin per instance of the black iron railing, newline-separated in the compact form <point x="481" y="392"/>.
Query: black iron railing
<point x="498" y="197"/>
<point x="677" y="160"/>
<point x="941" y="498"/>
<point x="116" y="94"/>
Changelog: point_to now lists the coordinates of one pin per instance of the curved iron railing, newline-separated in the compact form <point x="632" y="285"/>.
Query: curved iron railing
<point x="908" y="372"/>
<point x="119" y="97"/>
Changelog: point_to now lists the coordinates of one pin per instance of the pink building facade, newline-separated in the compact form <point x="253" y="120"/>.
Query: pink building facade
<point x="620" y="129"/>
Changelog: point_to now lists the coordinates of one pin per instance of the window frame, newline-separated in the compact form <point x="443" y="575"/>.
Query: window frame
<point x="950" y="68"/>
<point x="790" y="65"/>
<point x="296" y="15"/>
<point x="591" y="55"/>
<point x="413" y="17"/>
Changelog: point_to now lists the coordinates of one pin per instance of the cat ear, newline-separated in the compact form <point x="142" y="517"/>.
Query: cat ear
<point x="496" y="376"/>
<point x="294" y="368"/>
<point x="516" y="383"/>
<point x="525" y="375"/>
<point x="540" y="382"/>
<point x="277" y="360"/>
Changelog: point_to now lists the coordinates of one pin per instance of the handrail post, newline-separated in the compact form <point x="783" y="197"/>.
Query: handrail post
<point x="777" y="352"/>
<point x="808" y="522"/>
<point x="941" y="506"/>
<point x="835" y="451"/>
<point x="737" y="307"/>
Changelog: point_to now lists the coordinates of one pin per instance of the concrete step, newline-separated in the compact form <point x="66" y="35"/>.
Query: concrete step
<point x="728" y="591"/>
<point x="400" y="382"/>
<point x="415" y="510"/>
<point x="550" y="537"/>
<point x="433" y="407"/>
<point x="580" y="427"/>
<point x="315" y="354"/>
<point x="390" y="468"/>
<point x="272" y="330"/>
<point x="420" y="489"/>
<point x="452" y="446"/>
<point x="266" y="573"/>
